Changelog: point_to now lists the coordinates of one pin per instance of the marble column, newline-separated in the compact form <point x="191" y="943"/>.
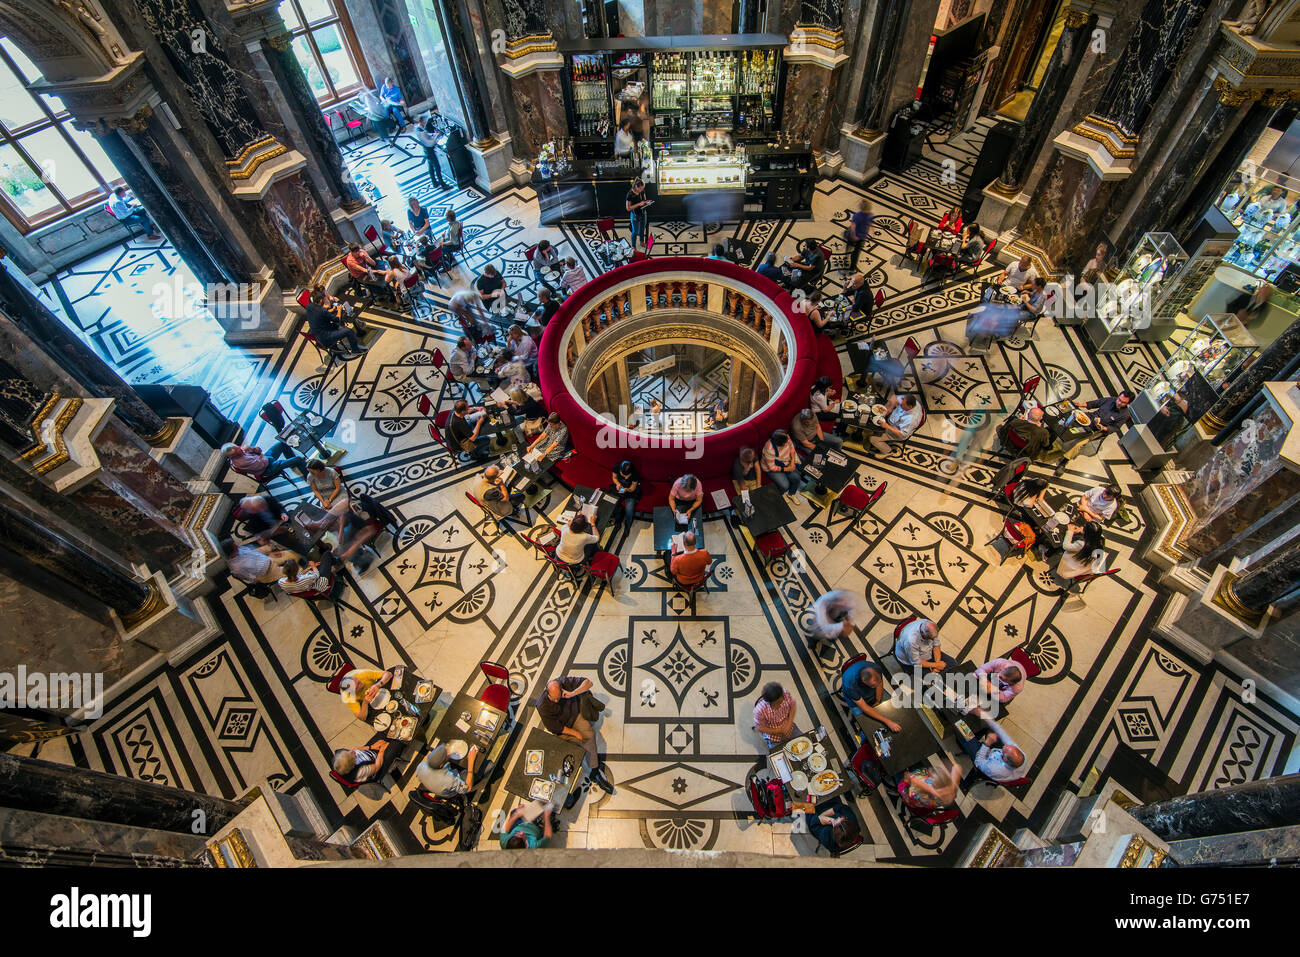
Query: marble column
<point x="35" y="785"/>
<point x="1057" y="80"/>
<point x="886" y="35"/>
<point x="532" y="66"/>
<point x="399" y="37"/>
<point x="1270" y="362"/>
<point x="77" y="359"/>
<point x="1253" y="806"/>
<point x="73" y="566"/>
<point x="476" y="115"/>
<point x="1266" y="582"/>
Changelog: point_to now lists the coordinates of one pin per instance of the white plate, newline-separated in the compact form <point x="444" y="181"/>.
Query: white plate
<point x="827" y="784"/>
<point x="390" y="706"/>
<point x="457" y="749"/>
<point x="817" y="762"/>
<point x="799" y="748"/>
<point x="382" y="721"/>
<point x="879" y="409"/>
<point x="799" y="781"/>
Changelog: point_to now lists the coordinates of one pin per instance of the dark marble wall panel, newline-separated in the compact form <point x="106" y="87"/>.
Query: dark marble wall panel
<point x="1032" y="18"/>
<point x="1062" y="216"/>
<point x="130" y="471"/>
<point x="909" y="55"/>
<point x="716" y="16"/>
<point x="809" y="98"/>
<point x="304" y="236"/>
<point x="398" y="35"/>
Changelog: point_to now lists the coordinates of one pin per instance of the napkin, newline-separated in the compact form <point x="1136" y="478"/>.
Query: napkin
<point x="744" y="497"/>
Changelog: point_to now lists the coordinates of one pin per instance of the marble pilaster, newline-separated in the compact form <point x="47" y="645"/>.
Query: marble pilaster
<point x="1265" y="583"/>
<point x="476" y="114"/>
<point x="808" y="100"/>
<point x="399" y="37"/>
<point x="1254" y="805"/>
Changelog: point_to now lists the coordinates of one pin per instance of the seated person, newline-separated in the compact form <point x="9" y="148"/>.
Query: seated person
<point x="770" y="270"/>
<point x="463" y="359"/>
<point x="363" y="269"/>
<point x="774" y="714"/>
<point x="902" y="417"/>
<point x="359" y="765"/>
<point x="262" y="516"/>
<point x="389" y="235"/>
<point x="362" y="523"/>
<point x="1034" y="438"/>
<point x="545" y="259"/>
<point x="625" y="482"/>
<point x="745" y="472"/>
<point x="863" y="687"/>
<point x="781" y="463"/>
<point x="326" y="484"/>
<point x="579" y="541"/>
<point x="521" y="345"/>
<point x="822" y="401"/>
<point x="554" y="439"/>
<point x="327" y="330"/>
<point x="495" y="495"/>
<point x="806" y="430"/>
<point x="546" y="309"/>
<point x="1029" y="493"/>
<point x="719" y="252"/>
<point x="995" y="754"/>
<point x="395" y="277"/>
<point x="574" y="277"/>
<point x="391" y="98"/>
<point x="1034" y="299"/>
<point x="439" y="777"/>
<point x="343" y="310"/>
<point x="360" y="686"/>
<point x="1099" y="503"/>
<point x="835" y="827"/>
<point x="1113" y="412"/>
<point x="311" y="579"/>
<point x="514" y="374"/>
<point x="518" y="833"/>
<point x="689" y="565"/>
<point x="453" y="240"/>
<point x="719" y="413"/>
<point x="130" y="213"/>
<point x="1077" y="549"/>
<point x="1019" y="275"/>
<point x="951" y="221"/>
<point x="250" y="460"/>
<point x="464" y="426"/>
<point x="685" y="497"/>
<point x="418" y="217"/>
<point x="253" y="566"/>
<point x="931" y="787"/>
<point x="918" y="646"/>
<point x="807" y="265"/>
<point x="1002" y="679"/>
<point x="813" y="310"/>
<point x="863" y="299"/>
<point x="491" y="288"/>
<point x="972" y="245"/>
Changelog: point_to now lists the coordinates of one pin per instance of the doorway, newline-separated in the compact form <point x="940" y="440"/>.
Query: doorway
<point x="1030" y="54"/>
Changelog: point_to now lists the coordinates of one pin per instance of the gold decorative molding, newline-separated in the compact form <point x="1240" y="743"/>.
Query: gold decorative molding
<point x="254" y="155"/>
<point x="1230" y="95"/>
<point x="1176" y="506"/>
<point x="1225" y="596"/>
<point x="1280" y="98"/>
<point x="484" y="143"/>
<point x="163" y="437"/>
<point x="1010" y="192"/>
<point x="1115" y="140"/>
<point x="1122" y="800"/>
<point x="55" y="443"/>
<point x="196" y="517"/>
<point x="1158" y="858"/>
<point x="231" y="851"/>
<point x="134" y="124"/>
<point x="517" y="47"/>
<point x="153" y="603"/>
<point x="992" y="850"/>
<point x="280" y="41"/>
<point x="1076" y="18"/>
<point x="1133" y="853"/>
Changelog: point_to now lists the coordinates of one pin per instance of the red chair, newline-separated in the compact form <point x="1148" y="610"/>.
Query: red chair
<point x="606" y="229"/>
<point x="1024" y="663"/>
<point x="413" y="291"/>
<point x="1005" y="482"/>
<point x="771" y="545"/>
<point x="454" y="384"/>
<point x="498" y="693"/>
<point x="269" y="419"/>
<point x="913" y="811"/>
<point x="1027" y="398"/>
<point x="1010" y="541"/>
<point x="333" y="686"/>
<point x="372" y="236"/>
<point x="971" y="267"/>
<point x="1079" y="585"/>
<point x="603" y="567"/>
<point x="898" y="629"/>
<point x="880" y="298"/>
<point x="854" y="499"/>
<point x="542" y="549"/>
<point x="435" y="262"/>
<point x="304" y="298"/>
<point x="865" y="757"/>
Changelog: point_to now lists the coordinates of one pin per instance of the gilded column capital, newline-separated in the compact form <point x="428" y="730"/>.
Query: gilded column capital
<point x="131" y="125"/>
<point x="1278" y="98"/>
<point x="1230" y="95"/>
<point x="1076" y="18"/>
<point x="280" y="41"/>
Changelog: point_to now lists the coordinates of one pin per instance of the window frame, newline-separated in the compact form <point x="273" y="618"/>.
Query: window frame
<point x="67" y="205"/>
<point x="307" y="30"/>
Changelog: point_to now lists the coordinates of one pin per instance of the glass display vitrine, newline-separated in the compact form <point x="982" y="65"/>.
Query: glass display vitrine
<point x="1130" y="303"/>
<point x="691" y="173"/>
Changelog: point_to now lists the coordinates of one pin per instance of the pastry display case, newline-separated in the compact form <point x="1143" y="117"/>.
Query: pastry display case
<point x="691" y="173"/>
<point x="1129" y="304"/>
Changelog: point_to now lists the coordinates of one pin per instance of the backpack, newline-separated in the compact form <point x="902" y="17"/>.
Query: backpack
<point x="471" y="823"/>
<point x="767" y="797"/>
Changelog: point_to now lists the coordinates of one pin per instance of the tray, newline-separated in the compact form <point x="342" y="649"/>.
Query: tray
<point x="533" y="762"/>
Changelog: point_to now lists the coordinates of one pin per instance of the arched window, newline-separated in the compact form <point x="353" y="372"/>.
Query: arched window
<point x="48" y="169"/>
<point x="325" y="46"/>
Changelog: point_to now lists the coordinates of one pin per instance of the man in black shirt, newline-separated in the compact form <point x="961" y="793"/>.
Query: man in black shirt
<point x="770" y="270"/>
<point x="864" y="303"/>
<point x="567" y="708"/>
<point x="326" y="328"/>
<point x="464" y="427"/>
<point x="546" y="307"/>
<point x="491" y="286"/>
<point x="1112" y="412"/>
<point x="807" y="265"/>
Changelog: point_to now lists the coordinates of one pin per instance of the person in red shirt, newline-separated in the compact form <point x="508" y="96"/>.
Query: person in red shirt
<point x="363" y="269"/>
<point x="689" y="565"/>
<point x="250" y="460"/>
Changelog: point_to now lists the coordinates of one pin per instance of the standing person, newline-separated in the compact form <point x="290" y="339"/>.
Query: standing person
<point x="130" y="213"/>
<point x="857" y="232"/>
<point x="637" y="203"/>
<point x="567" y="708"/>
<point x="833" y="616"/>
<point x="623" y="141"/>
<point x="467" y="307"/>
<point x="774" y="714"/>
<point x="625" y="482"/>
<point x="426" y="132"/>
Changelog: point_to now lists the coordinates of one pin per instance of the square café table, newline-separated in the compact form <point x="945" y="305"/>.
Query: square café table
<point x="911" y="745"/>
<point x="665" y="524"/>
<point x="831" y="467"/>
<point x="406" y="692"/>
<point x="834" y="762"/>
<point x="770" y="510"/>
<point x="554" y="750"/>
<point x="471" y="721"/>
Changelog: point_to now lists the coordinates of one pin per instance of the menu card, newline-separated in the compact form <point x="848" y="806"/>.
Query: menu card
<point x="499" y="396"/>
<point x="720" y="498"/>
<point x="836" y="458"/>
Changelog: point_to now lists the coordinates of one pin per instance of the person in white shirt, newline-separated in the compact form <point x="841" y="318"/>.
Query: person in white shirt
<point x="520" y="345"/>
<point x="1077" y="550"/>
<point x="994" y="754"/>
<point x="514" y="375"/>
<point x="467" y="306"/>
<point x="623" y="141"/>
<point x="579" y="542"/>
<point x="574" y="276"/>
<point x="462" y="359"/>
<point x="902" y="416"/>
<point x="131" y="214"/>
<point x="310" y="579"/>
<point x="918" y="646"/>
<point x="1099" y="503"/>
<point x="253" y="566"/>
<point x="440" y="778"/>
<point x="1018" y="275"/>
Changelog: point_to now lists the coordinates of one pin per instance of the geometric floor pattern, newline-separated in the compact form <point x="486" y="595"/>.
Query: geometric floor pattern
<point x="451" y="590"/>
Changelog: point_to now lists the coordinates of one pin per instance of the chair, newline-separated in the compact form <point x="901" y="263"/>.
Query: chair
<point x="913" y="244"/>
<point x="130" y="229"/>
<point x="372" y="236"/>
<point x="321" y="594"/>
<point x="855" y="499"/>
<point x="603" y="567"/>
<point x="972" y="267"/>
<point x="540" y="548"/>
<point x="606" y="229"/>
<point x="976" y="776"/>
<point x="435" y="262"/>
<point x="866" y="757"/>
<point x="1005" y="481"/>
<point x="273" y="415"/>
<point x="771" y="545"/>
<point x="456" y="386"/>
<point x="1024" y="663"/>
<point x="913" y="812"/>
<point x="498" y="692"/>
<point x="1077" y="586"/>
<point x="1010" y="541"/>
<point x="898" y="629"/>
<point x="413" y="289"/>
<point x="353" y="125"/>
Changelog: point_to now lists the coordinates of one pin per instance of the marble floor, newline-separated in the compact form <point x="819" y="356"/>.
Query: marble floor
<point x="1112" y="700"/>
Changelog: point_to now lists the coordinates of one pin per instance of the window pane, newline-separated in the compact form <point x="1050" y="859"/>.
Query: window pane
<point x="337" y="62"/>
<point x="308" y="64"/>
<point x="22" y="186"/>
<point x="51" y="152"/>
<point x="315" y="10"/>
<point x="290" y="15"/>
<point x="25" y="65"/>
<point x="17" y="108"/>
<point x="95" y="153"/>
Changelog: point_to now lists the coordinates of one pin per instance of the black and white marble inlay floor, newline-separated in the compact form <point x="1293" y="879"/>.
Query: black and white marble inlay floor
<point x="452" y="590"/>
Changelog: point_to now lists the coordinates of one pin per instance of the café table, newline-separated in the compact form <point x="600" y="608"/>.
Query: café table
<point x="472" y="721"/>
<point x="909" y="746"/>
<point x="1068" y="431"/>
<point x="784" y="765"/>
<point x="296" y="535"/>
<point x="665" y="525"/>
<point x="554" y="749"/>
<point x="410" y="687"/>
<point x="767" y="510"/>
<point x="830" y="467"/>
<point x="520" y="475"/>
<point x="308" y="428"/>
<point x="605" y="505"/>
<point x="1040" y="519"/>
